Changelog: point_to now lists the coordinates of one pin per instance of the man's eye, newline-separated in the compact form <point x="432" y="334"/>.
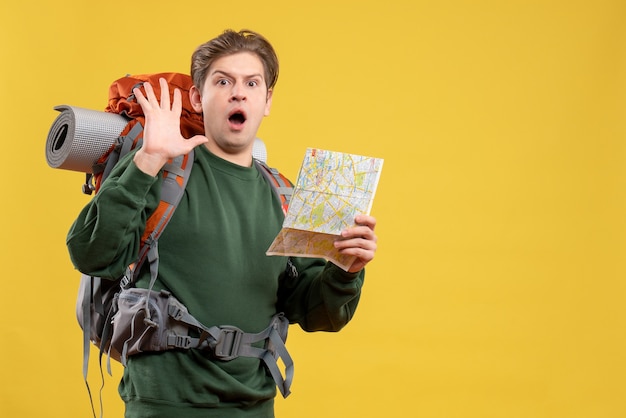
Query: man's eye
<point x="252" y="83"/>
<point x="222" y="82"/>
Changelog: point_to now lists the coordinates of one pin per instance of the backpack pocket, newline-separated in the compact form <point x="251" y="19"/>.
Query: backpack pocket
<point x="142" y="322"/>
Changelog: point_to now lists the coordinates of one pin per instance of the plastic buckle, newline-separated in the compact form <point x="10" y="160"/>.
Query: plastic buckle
<point x="180" y="341"/>
<point x="227" y="344"/>
<point x="88" y="188"/>
<point x="124" y="281"/>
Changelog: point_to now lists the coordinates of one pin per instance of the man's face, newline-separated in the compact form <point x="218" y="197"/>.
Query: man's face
<point x="234" y="101"/>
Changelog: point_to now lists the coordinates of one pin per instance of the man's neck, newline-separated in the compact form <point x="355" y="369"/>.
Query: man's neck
<point x="242" y="158"/>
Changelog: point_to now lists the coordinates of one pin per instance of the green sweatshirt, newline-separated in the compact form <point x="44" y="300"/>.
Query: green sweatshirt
<point x="212" y="258"/>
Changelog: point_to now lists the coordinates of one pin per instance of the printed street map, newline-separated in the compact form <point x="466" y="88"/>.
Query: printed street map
<point x="332" y="188"/>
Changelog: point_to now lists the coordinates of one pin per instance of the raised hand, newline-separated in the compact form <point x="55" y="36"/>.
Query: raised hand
<point x="162" y="138"/>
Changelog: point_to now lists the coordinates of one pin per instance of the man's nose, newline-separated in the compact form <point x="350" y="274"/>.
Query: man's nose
<point x="237" y="93"/>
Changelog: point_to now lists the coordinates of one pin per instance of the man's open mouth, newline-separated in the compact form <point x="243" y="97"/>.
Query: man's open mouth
<point x="237" y="118"/>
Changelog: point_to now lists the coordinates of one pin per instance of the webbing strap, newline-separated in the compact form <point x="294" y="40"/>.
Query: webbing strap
<point x="171" y="193"/>
<point x="284" y="384"/>
<point x="281" y="186"/>
<point x="124" y="146"/>
<point x="153" y="260"/>
<point x="86" y="281"/>
<point x="275" y="349"/>
<point x="88" y="284"/>
<point x="287" y="191"/>
<point x="228" y="342"/>
<point x="174" y="169"/>
<point x="130" y="138"/>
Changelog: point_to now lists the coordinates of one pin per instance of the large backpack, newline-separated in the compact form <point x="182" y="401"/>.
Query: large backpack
<point x="98" y="301"/>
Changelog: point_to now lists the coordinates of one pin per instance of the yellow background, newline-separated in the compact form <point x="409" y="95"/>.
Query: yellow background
<point x="498" y="288"/>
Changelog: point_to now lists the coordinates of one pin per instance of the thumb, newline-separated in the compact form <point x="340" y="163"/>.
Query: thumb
<point x="198" y="140"/>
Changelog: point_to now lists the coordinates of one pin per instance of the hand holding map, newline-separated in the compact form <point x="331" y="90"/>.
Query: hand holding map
<point x="331" y="189"/>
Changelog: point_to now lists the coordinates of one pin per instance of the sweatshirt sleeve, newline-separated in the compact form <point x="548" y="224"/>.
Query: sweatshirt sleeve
<point x="105" y="237"/>
<point x="318" y="295"/>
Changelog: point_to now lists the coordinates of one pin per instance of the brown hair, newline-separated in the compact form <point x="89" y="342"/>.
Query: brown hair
<point x="231" y="42"/>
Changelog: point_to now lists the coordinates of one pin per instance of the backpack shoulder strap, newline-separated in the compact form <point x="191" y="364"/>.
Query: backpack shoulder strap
<point x="175" y="177"/>
<point x="282" y="187"/>
<point x="130" y="138"/>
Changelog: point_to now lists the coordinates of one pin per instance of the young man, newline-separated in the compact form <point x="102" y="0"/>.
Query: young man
<point x="212" y="253"/>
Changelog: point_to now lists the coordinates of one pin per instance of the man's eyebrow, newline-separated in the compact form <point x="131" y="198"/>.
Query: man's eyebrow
<point x="227" y="74"/>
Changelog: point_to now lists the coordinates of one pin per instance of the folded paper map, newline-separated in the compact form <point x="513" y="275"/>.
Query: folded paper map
<point x="331" y="189"/>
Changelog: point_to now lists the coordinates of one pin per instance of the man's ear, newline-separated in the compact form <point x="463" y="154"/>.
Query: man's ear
<point x="268" y="102"/>
<point x="195" y="99"/>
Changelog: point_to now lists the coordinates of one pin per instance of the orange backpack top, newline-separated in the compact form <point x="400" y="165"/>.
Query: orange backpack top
<point x="122" y="101"/>
<point x="121" y="98"/>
